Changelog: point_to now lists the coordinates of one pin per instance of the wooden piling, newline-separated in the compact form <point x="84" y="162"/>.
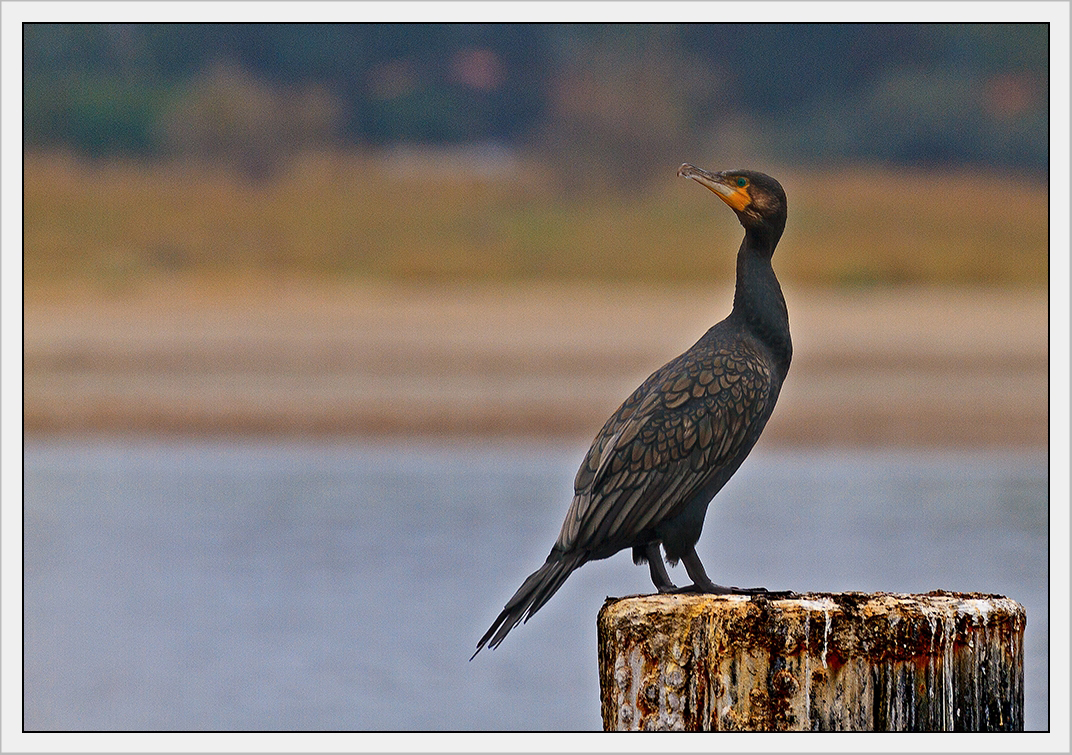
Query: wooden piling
<point x="820" y="662"/>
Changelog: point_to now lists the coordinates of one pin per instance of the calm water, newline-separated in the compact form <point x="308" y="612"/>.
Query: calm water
<point x="256" y="587"/>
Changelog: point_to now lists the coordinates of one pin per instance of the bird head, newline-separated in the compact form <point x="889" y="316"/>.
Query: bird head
<point x="758" y="199"/>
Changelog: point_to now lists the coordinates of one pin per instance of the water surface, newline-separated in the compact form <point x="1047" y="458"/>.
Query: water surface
<point x="255" y="586"/>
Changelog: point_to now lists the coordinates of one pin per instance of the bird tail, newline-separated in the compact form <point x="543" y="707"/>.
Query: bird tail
<point x="530" y="597"/>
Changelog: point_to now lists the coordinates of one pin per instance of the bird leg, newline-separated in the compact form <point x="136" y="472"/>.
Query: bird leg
<point x="659" y="576"/>
<point x="701" y="583"/>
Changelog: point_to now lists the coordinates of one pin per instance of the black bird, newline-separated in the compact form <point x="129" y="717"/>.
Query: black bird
<point x="660" y="459"/>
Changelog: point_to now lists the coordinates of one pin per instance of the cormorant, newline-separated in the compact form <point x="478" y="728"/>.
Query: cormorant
<point x="670" y="447"/>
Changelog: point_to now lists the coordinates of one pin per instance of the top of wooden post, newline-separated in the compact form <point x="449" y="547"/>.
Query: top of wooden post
<point x="851" y="660"/>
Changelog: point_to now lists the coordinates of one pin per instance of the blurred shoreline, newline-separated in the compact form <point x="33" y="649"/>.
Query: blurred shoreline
<point x="873" y="367"/>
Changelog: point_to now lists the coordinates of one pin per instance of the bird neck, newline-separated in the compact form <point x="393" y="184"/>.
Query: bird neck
<point x="758" y="299"/>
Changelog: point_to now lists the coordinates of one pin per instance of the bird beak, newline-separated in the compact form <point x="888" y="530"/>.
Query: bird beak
<point x="735" y="197"/>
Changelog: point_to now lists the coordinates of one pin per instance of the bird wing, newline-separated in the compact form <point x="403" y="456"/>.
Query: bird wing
<point x="666" y="441"/>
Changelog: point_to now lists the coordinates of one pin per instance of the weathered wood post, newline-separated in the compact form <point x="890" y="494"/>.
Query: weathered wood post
<point x="820" y="662"/>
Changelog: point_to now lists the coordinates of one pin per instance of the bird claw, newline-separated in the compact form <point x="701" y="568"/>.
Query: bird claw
<point x="764" y="592"/>
<point x="720" y="590"/>
<point x="695" y="589"/>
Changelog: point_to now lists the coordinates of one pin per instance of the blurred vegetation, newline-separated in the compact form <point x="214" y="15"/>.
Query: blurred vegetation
<point x="415" y="216"/>
<point x="621" y="99"/>
<point x="515" y="151"/>
<point x="226" y="116"/>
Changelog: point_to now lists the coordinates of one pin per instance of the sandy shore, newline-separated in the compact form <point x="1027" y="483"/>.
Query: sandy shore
<point x="873" y="367"/>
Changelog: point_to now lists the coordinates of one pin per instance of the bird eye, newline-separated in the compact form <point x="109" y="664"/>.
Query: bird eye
<point x="742" y="182"/>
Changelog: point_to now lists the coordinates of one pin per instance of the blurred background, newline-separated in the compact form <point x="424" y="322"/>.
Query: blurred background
<point x="320" y="320"/>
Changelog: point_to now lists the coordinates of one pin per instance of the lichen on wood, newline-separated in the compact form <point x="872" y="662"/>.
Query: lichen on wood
<point x="822" y="662"/>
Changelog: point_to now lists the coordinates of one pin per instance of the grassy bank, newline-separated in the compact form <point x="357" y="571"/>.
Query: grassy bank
<point x="346" y="216"/>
